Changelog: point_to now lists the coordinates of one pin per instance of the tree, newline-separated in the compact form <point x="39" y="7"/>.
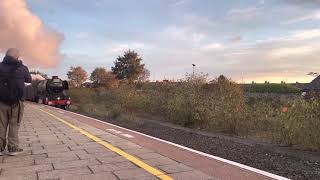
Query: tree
<point x="313" y="74"/>
<point x="144" y="76"/>
<point x="128" y="67"/>
<point x="36" y="72"/>
<point x="103" y="78"/>
<point x="196" y="78"/>
<point x="223" y="79"/>
<point x="77" y="75"/>
<point x="98" y="76"/>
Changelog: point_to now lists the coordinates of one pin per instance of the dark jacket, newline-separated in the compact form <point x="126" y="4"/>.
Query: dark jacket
<point x="22" y="73"/>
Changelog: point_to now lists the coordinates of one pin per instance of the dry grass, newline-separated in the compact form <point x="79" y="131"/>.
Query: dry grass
<point x="218" y="107"/>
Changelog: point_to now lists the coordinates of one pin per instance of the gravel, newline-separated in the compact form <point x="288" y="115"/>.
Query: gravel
<point x="285" y="162"/>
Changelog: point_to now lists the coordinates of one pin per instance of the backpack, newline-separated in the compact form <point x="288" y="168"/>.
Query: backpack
<point x="10" y="93"/>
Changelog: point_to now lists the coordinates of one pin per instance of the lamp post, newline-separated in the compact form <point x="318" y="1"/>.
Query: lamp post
<point x="193" y="66"/>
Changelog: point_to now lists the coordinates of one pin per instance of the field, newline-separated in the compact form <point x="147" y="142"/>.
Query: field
<point x="219" y="107"/>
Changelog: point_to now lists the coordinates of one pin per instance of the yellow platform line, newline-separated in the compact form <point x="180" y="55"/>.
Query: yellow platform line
<point x="133" y="159"/>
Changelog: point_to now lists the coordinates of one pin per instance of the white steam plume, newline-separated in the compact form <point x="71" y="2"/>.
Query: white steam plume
<point x="20" y="28"/>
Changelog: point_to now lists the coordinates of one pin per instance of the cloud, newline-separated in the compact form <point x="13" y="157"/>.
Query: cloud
<point x="178" y="3"/>
<point x="285" y="57"/>
<point x="212" y="47"/>
<point x="82" y="35"/>
<point x="22" y="29"/>
<point x="218" y="43"/>
<point x="182" y="34"/>
<point x="290" y="56"/>
<point x="120" y="48"/>
<point x="301" y="2"/>
<point x="36" y="77"/>
<point x="262" y="2"/>
<point x="309" y="17"/>
<point x="236" y="38"/>
<point x="198" y="21"/>
<point x="293" y="51"/>
<point x="306" y="34"/>
<point x="244" y="13"/>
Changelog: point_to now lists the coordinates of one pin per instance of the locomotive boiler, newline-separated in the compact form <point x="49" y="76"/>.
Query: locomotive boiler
<point x="50" y="92"/>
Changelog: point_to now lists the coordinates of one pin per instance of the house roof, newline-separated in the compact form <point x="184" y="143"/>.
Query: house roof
<point x="315" y="84"/>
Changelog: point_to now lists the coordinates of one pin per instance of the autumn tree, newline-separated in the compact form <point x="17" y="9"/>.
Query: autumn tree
<point x="103" y="78"/>
<point x="144" y="76"/>
<point x="128" y="67"/>
<point x="77" y="75"/>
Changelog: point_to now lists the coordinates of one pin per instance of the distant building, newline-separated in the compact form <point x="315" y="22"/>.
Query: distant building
<point x="315" y="84"/>
<point x="310" y="88"/>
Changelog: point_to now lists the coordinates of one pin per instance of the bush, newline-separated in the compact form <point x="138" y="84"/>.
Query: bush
<point x="301" y="124"/>
<point x="219" y="107"/>
<point x="272" y="88"/>
<point x="227" y="106"/>
<point x="82" y="95"/>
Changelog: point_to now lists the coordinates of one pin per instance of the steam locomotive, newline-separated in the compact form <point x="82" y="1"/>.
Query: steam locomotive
<point x="50" y="92"/>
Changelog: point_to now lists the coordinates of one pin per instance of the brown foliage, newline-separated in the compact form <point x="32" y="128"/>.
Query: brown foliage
<point x="77" y="75"/>
<point x="220" y="106"/>
<point x="103" y="78"/>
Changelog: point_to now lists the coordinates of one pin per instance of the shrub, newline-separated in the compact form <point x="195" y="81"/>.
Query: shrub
<point x="272" y="88"/>
<point x="181" y="105"/>
<point x="226" y="106"/>
<point x="82" y="95"/>
<point x="301" y="124"/>
<point x="219" y="106"/>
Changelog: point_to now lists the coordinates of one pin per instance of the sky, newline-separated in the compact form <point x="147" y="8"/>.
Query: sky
<point x="246" y="40"/>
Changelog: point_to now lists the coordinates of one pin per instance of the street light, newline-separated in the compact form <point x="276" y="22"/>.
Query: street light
<point x="193" y="65"/>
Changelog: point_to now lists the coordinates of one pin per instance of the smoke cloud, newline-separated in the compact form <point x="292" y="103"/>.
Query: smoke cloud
<point x="20" y="28"/>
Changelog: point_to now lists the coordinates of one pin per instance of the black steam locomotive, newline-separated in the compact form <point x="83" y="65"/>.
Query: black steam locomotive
<point x="50" y="92"/>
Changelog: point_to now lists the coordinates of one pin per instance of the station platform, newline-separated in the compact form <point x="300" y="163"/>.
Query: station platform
<point x="63" y="145"/>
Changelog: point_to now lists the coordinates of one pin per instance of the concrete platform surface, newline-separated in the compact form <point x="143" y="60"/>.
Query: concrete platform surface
<point x="64" y="145"/>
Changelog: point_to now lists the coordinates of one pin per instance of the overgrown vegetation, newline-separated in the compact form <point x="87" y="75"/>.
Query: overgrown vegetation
<point x="272" y="88"/>
<point x="267" y="112"/>
<point x="220" y="106"/>
<point x="300" y="125"/>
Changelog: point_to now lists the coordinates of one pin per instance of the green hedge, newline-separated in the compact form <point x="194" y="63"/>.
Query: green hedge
<point x="272" y="88"/>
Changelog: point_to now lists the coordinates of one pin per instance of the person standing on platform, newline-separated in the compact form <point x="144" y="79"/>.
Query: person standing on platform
<point x="13" y="76"/>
